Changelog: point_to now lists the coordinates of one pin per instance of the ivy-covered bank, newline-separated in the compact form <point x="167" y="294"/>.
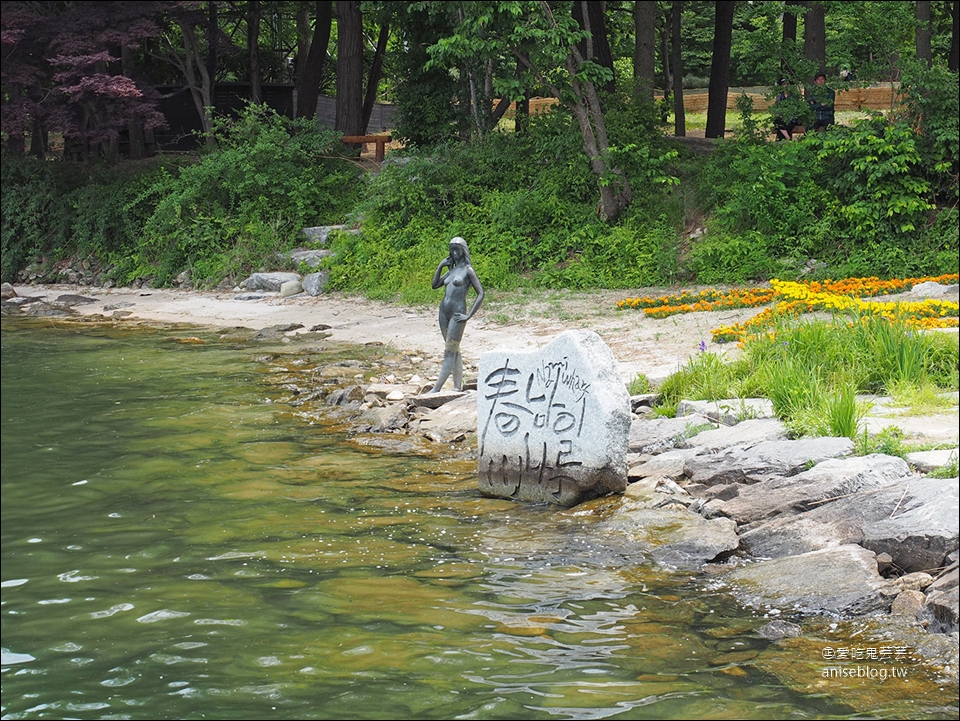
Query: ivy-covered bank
<point x="877" y="197"/>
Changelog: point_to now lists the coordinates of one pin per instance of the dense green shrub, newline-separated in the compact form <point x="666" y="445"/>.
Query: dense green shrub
<point x="876" y="198"/>
<point x="868" y="198"/>
<point x="224" y="215"/>
<point x="931" y="97"/>
<point x="267" y="178"/>
<point x="37" y="210"/>
<point x="526" y="203"/>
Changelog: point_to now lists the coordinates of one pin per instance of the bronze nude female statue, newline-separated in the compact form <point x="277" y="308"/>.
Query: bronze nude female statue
<point x="457" y="280"/>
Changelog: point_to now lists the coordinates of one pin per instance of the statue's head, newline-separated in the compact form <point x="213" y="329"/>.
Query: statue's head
<point x="460" y="245"/>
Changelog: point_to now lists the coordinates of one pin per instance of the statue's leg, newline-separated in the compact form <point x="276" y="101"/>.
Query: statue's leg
<point x="451" y="356"/>
<point x="452" y="360"/>
<point x="458" y="371"/>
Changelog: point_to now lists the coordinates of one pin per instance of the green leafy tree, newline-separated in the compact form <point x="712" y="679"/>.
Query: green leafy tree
<point x="544" y="39"/>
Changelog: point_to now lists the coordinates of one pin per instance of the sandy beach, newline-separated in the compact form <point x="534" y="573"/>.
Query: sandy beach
<point x="640" y="344"/>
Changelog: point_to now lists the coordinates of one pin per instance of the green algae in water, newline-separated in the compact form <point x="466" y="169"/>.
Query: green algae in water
<point x="178" y="542"/>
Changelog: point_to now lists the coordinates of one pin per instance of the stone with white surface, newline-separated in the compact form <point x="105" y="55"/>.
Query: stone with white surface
<point x="552" y="424"/>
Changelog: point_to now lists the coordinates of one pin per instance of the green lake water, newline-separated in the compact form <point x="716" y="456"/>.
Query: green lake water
<point x="179" y="541"/>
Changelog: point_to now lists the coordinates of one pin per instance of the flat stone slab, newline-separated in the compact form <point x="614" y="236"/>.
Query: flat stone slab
<point x="837" y="581"/>
<point x="553" y="423"/>
<point x="830" y="479"/>
<point x="728" y="411"/>
<point x="675" y="537"/>
<point x="668" y="463"/>
<point x="435" y="400"/>
<point x="927" y="461"/>
<point x="765" y="460"/>
<point x="656" y="435"/>
<point x="854" y="518"/>
<point x="746" y="433"/>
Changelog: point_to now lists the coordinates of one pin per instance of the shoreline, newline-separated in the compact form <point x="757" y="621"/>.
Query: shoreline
<point x="655" y="348"/>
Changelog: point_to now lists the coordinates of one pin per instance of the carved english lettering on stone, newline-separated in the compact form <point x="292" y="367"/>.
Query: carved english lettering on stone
<point x="552" y="425"/>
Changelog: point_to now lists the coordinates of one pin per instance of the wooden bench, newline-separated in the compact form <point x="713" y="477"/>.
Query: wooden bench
<point x="380" y="140"/>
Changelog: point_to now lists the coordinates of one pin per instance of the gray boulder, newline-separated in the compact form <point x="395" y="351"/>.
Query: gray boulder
<point x="346" y="396"/>
<point x="553" y="423"/>
<point x="853" y="518"/>
<point x="927" y="461"/>
<point x="765" y="460"/>
<point x="268" y="281"/>
<point x="668" y="463"/>
<point x="315" y="283"/>
<point x="835" y="581"/>
<point x="387" y="418"/>
<point x="452" y="421"/>
<point x="831" y="479"/>
<point x="657" y="435"/>
<point x="746" y="433"/>
<point x="290" y="287"/>
<point x="310" y="258"/>
<point x="922" y="526"/>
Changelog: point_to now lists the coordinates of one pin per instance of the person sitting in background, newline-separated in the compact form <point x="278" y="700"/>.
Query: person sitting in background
<point x="784" y="116"/>
<point x="821" y="98"/>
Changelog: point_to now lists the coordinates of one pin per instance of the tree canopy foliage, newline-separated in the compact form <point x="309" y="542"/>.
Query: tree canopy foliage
<point x="591" y="187"/>
<point x="90" y="69"/>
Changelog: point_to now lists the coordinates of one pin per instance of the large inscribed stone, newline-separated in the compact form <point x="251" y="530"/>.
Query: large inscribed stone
<point x="553" y="424"/>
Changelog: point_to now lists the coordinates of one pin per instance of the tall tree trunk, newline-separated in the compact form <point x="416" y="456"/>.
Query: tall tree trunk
<point x="38" y="140"/>
<point x="310" y="61"/>
<point x="679" y="117"/>
<point x="789" y="38"/>
<point x="138" y="149"/>
<point x="645" y="49"/>
<point x="213" y="37"/>
<point x="253" y="50"/>
<point x="615" y="191"/>
<point x="790" y="22"/>
<point x="376" y="70"/>
<point x="953" y="63"/>
<point x="815" y="36"/>
<point x="198" y="79"/>
<point x="665" y="60"/>
<point x="592" y="17"/>
<point x="349" y="67"/>
<point x="924" y="33"/>
<point x="720" y="70"/>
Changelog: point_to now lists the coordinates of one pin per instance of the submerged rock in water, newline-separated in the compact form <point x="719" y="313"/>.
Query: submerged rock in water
<point x="836" y="581"/>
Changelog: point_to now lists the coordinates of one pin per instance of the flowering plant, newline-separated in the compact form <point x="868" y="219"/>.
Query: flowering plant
<point x="793" y="298"/>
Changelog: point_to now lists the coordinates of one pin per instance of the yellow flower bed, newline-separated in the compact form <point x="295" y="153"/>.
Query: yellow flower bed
<point x="800" y="298"/>
<point x="792" y="298"/>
